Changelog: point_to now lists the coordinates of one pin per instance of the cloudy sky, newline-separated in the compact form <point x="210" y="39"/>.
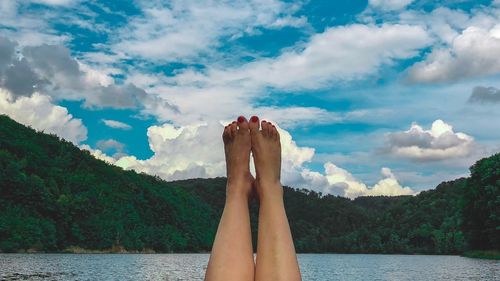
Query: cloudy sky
<point x="371" y="97"/>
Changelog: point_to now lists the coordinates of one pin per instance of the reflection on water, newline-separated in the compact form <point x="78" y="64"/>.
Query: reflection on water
<point x="192" y="267"/>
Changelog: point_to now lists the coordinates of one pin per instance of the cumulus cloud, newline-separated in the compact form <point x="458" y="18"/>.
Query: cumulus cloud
<point x="116" y="124"/>
<point x="51" y="70"/>
<point x="485" y="95"/>
<point x="38" y="112"/>
<point x="187" y="29"/>
<point x="98" y="154"/>
<point x="7" y="49"/>
<point x="195" y="151"/>
<point x="389" y="5"/>
<point x="111" y="146"/>
<point x="181" y="152"/>
<point x="438" y="143"/>
<point x="473" y="53"/>
<point x="342" y="179"/>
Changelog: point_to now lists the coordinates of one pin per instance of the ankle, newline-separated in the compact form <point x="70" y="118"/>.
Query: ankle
<point x="238" y="188"/>
<point x="269" y="190"/>
<point x="239" y="179"/>
<point x="236" y="197"/>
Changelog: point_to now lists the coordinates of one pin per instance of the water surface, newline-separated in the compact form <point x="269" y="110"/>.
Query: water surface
<point x="192" y="267"/>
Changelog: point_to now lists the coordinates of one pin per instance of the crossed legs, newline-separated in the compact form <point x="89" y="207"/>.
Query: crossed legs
<point x="232" y="254"/>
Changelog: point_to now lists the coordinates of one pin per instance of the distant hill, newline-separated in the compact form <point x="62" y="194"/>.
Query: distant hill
<point x="54" y="196"/>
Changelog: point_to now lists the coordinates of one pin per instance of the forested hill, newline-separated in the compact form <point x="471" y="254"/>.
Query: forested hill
<point x="54" y="196"/>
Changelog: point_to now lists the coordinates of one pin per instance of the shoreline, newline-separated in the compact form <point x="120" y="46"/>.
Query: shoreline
<point x="488" y="255"/>
<point x="483" y="254"/>
<point x="113" y="250"/>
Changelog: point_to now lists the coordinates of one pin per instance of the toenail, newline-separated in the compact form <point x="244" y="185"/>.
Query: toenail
<point x="241" y="119"/>
<point x="254" y="119"/>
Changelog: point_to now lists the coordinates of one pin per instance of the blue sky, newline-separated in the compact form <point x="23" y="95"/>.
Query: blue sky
<point x="376" y="97"/>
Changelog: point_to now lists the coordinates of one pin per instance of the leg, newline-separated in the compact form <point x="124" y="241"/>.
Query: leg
<point x="276" y="258"/>
<point x="232" y="253"/>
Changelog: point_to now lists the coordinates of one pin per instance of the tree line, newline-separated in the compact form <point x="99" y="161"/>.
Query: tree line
<point x="54" y="196"/>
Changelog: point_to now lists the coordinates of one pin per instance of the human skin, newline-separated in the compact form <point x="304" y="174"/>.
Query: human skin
<point x="232" y="254"/>
<point x="276" y="258"/>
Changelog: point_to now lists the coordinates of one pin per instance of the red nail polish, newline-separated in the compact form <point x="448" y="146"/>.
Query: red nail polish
<point x="254" y="119"/>
<point x="241" y="119"/>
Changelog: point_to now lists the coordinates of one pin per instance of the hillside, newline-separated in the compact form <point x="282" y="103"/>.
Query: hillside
<point x="54" y="196"/>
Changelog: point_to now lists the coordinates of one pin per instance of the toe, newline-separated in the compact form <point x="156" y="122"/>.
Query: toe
<point x="253" y="125"/>
<point x="242" y="125"/>
<point x="233" y="128"/>
<point x="225" y="134"/>
<point x="265" y="128"/>
<point x="270" y="129"/>
<point x="275" y="133"/>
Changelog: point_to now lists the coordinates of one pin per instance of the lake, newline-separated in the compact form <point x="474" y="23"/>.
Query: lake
<point x="192" y="267"/>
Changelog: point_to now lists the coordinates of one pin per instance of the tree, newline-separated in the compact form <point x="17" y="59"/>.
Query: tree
<point x="481" y="205"/>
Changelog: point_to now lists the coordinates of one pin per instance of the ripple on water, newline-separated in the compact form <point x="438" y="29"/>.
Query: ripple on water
<point x="172" y="267"/>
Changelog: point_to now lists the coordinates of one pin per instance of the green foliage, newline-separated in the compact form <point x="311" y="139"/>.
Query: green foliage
<point x="54" y="196"/>
<point x="477" y="254"/>
<point x="481" y="205"/>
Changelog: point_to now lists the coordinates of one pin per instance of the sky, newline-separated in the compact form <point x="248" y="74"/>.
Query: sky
<point x="378" y="97"/>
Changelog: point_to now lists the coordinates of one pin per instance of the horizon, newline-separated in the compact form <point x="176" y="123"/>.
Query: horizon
<point x="370" y="97"/>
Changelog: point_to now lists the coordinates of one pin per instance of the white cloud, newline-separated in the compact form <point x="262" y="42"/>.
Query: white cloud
<point x="56" y="2"/>
<point x="337" y="54"/>
<point x="473" y="53"/>
<point x="197" y="151"/>
<point x="181" y="152"/>
<point x="443" y="23"/>
<point x="111" y="146"/>
<point x="38" y="112"/>
<point x="340" y="178"/>
<point x="389" y="5"/>
<point x="207" y="103"/>
<point x="185" y="29"/>
<point x="116" y="124"/>
<point x="438" y="143"/>
<point x="289" y="21"/>
<point x="98" y="154"/>
<point x="51" y="70"/>
<point x="27" y="28"/>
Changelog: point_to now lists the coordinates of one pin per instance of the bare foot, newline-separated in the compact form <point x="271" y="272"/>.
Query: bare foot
<point x="266" y="151"/>
<point x="237" y="145"/>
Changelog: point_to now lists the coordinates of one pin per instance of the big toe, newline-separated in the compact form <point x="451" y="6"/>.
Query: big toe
<point x="242" y="125"/>
<point x="253" y="125"/>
